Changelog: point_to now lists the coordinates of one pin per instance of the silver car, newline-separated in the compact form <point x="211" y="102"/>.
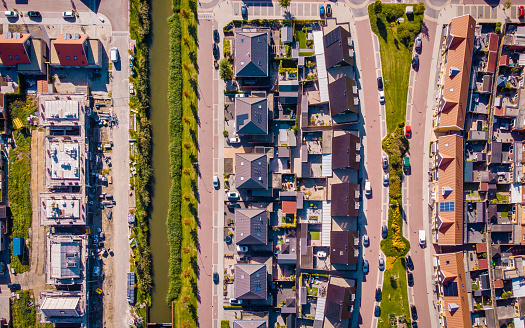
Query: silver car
<point x="381" y="264"/>
<point x="418" y="44"/>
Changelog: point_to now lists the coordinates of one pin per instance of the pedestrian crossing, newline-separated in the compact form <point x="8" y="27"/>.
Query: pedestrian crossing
<point x="274" y="9"/>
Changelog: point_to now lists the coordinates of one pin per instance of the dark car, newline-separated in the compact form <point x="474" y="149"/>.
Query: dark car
<point x="215" y="51"/>
<point x="2" y="267"/>
<point x="380" y="83"/>
<point x="365" y="267"/>
<point x="377" y="311"/>
<point x="215" y="277"/>
<point x="13" y="287"/>
<point x="414" y="312"/>
<point x="409" y="262"/>
<point x="33" y="13"/>
<point x="378" y="295"/>
<point x="328" y="10"/>
<point x="410" y="279"/>
<point x="384" y="232"/>
<point x="415" y="61"/>
<point x="414" y="324"/>
<point x="244" y="10"/>
<point x="216" y="35"/>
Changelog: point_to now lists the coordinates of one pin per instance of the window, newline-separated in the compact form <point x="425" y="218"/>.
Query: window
<point x="10" y="57"/>
<point x="75" y="57"/>
<point x="68" y="58"/>
<point x="446" y="207"/>
<point x="17" y="57"/>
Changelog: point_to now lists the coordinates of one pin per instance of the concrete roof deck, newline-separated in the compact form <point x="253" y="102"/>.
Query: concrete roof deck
<point x="62" y="209"/>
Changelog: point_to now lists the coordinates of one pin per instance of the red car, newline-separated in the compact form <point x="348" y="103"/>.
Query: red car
<point x="408" y="131"/>
<point x="521" y="11"/>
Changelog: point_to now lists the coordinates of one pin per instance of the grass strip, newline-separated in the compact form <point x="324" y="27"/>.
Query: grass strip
<point x="394" y="294"/>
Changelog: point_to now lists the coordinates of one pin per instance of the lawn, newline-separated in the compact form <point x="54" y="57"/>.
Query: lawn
<point x="185" y="307"/>
<point x="19" y="184"/>
<point x="23" y="314"/>
<point x="395" y="296"/>
<point x="300" y="36"/>
<point x="312" y="291"/>
<point x="315" y="234"/>
<point x="395" y="60"/>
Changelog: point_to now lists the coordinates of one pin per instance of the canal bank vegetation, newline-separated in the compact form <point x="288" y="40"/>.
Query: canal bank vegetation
<point x="182" y="221"/>
<point x="19" y="182"/>
<point x="396" y="40"/>
<point x="139" y="25"/>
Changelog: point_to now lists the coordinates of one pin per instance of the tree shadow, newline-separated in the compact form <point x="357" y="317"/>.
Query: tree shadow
<point x="195" y="190"/>
<point x="193" y="32"/>
<point x="194" y="138"/>
<point x="424" y="30"/>
<point x="393" y="282"/>
<point x="194" y="234"/>
<point x="195" y="266"/>
<point x="195" y="289"/>
<point x="193" y="59"/>
<point x="381" y="28"/>
<point x="193" y="9"/>
<point x="195" y="87"/>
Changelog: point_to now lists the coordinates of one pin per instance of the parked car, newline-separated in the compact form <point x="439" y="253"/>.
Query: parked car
<point x="414" y="324"/>
<point x="242" y="248"/>
<point x="233" y="205"/>
<point x="380" y="83"/>
<point x="378" y="295"/>
<point x="13" y="287"/>
<point x="521" y="12"/>
<point x="409" y="262"/>
<point x="418" y="44"/>
<point x="366" y="240"/>
<point x="216" y="35"/>
<point x="235" y="140"/>
<point x="410" y="279"/>
<point x="408" y="131"/>
<point x="377" y="311"/>
<point x="385" y="162"/>
<point x="381" y="264"/>
<point x="233" y="195"/>
<point x="329" y="10"/>
<point x="3" y="267"/>
<point x="422" y="238"/>
<point x="321" y="10"/>
<point x="382" y="97"/>
<point x="384" y="231"/>
<point x="33" y="13"/>
<point x="216" y="53"/>
<point x="234" y="301"/>
<point x="368" y="188"/>
<point x="415" y="61"/>
<point x="414" y="312"/>
<point x="215" y="182"/>
<point x="365" y="266"/>
<point x="11" y="14"/>
<point x="68" y="14"/>
<point x="244" y="10"/>
<point x="113" y="54"/>
<point x="386" y="180"/>
<point x="215" y="277"/>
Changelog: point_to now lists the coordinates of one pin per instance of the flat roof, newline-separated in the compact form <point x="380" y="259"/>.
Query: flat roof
<point x="62" y="209"/>
<point x="64" y="158"/>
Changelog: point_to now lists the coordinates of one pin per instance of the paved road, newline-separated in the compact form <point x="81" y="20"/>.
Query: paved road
<point x="207" y="305"/>
<point x="415" y="181"/>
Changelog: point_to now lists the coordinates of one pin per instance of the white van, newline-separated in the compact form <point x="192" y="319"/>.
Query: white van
<point x="368" y="188"/>
<point x="422" y="238"/>
<point x="114" y="54"/>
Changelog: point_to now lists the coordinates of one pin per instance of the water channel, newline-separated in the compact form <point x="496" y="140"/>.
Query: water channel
<point x="160" y="10"/>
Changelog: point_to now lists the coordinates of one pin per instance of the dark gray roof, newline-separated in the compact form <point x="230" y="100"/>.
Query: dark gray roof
<point x="250" y="282"/>
<point x="251" y="227"/>
<point x="336" y="48"/>
<point x="251" y="54"/>
<point x="496" y="153"/>
<point x="342" y="247"/>
<point x="344" y="200"/>
<point x="286" y="34"/>
<point x="251" y="115"/>
<point x="342" y="98"/>
<point x="346" y="154"/>
<point x="251" y="171"/>
<point x="338" y="302"/>
<point x="249" y="324"/>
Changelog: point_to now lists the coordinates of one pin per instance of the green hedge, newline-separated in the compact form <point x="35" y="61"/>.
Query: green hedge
<point x="174" y="222"/>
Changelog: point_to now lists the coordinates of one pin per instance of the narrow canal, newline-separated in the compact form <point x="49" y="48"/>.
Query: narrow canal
<point x="160" y="10"/>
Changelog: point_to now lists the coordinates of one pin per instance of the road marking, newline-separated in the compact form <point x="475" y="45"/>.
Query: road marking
<point x="201" y="15"/>
<point x="120" y="33"/>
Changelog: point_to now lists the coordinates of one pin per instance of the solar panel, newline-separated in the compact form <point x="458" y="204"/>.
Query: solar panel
<point x="450" y="289"/>
<point x="446" y="207"/>
<point x="332" y="37"/>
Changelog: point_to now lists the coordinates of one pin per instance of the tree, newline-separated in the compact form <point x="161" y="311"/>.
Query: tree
<point x="419" y="9"/>
<point x="378" y="6"/>
<point x="507" y="5"/>
<point x="225" y="69"/>
<point x="285" y="3"/>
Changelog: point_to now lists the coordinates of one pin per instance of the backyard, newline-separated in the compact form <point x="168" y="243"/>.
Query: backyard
<point x="395" y="43"/>
<point x="395" y="297"/>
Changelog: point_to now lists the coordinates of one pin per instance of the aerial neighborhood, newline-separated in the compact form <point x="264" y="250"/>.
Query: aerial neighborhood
<point x="244" y="164"/>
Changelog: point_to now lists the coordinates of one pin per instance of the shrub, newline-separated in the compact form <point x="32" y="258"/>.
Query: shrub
<point x="226" y="48"/>
<point x="378" y="6"/>
<point x="225" y="69"/>
<point x="392" y="12"/>
<point x="419" y="9"/>
<point x="498" y="27"/>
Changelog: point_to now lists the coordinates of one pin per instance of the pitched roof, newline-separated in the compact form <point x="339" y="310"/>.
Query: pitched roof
<point x="450" y="190"/>
<point x="336" y="48"/>
<point x="453" y="102"/>
<point x="251" y="54"/>
<point x="14" y="48"/>
<point x="345" y="200"/>
<point x="251" y="115"/>
<point x="347" y="154"/>
<point x="342" y="97"/>
<point x="71" y="49"/>
<point x="289" y="206"/>
<point x="250" y="282"/>
<point x="343" y="247"/>
<point x="251" y="226"/>
<point x="339" y="300"/>
<point x="251" y="171"/>
<point x="249" y="324"/>
<point x="455" y="294"/>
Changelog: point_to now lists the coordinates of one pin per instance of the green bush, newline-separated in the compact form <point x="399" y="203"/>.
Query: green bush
<point x="498" y="27"/>
<point x="225" y="69"/>
<point x="225" y="324"/>
<point x="393" y="12"/>
<point x="226" y="48"/>
<point x="378" y="6"/>
<point x="395" y="245"/>
<point x="419" y="9"/>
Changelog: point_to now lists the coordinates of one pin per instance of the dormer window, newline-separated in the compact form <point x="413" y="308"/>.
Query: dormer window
<point x="75" y="57"/>
<point x="453" y="71"/>
<point x="17" y="57"/>
<point x="10" y="57"/>
<point x="68" y="58"/>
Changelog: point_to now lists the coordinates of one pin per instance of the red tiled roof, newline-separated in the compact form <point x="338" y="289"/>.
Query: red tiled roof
<point x="481" y="248"/>
<point x="71" y="52"/>
<point x="504" y="61"/>
<point x="14" y="51"/>
<point x="41" y="86"/>
<point x="451" y="264"/>
<point x="483" y="264"/>
<point x="289" y="206"/>
<point x="493" y="42"/>
<point x="498" y="283"/>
